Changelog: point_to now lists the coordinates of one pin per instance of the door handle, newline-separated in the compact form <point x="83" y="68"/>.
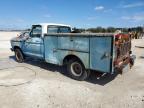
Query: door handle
<point x="37" y="41"/>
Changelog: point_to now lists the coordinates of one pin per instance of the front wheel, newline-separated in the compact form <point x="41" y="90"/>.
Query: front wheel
<point x="77" y="70"/>
<point x="19" y="56"/>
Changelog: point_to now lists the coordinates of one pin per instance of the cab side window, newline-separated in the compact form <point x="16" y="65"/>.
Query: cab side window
<point x="36" y="31"/>
<point x="52" y="29"/>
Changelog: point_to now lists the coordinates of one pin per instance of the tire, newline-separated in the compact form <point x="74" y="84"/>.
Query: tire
<point x="19" y="55"/>
<point x="77" y="70"/>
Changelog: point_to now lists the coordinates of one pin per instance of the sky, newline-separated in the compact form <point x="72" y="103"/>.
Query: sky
<point x="77" y="13"/>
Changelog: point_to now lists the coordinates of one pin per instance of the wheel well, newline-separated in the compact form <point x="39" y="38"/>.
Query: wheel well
<point x="70" y="57"/>
<point x="16" y="47"/>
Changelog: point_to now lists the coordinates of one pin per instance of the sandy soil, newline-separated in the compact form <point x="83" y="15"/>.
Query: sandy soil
<point x="5" y="43"/>
<point x="35" y="84"/>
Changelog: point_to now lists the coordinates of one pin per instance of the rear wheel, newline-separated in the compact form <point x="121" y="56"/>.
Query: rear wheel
<point x="77" y="70"/>
<point x="19" y="55"/>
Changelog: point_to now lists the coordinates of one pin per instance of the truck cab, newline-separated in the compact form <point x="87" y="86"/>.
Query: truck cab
<point x="32" y="44"/>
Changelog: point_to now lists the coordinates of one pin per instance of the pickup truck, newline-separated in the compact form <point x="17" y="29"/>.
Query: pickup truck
<point x="81" y="52"/>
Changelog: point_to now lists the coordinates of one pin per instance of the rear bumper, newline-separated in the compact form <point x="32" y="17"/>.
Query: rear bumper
<point x="129" y="60"/>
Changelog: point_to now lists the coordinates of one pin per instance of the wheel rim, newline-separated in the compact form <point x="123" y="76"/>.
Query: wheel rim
<point x="76" y="69"/>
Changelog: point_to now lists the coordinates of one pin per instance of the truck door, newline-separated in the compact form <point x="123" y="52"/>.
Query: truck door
<point x="33" y="46"/>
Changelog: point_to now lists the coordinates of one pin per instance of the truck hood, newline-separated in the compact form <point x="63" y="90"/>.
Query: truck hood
<point x="18" y="39"/>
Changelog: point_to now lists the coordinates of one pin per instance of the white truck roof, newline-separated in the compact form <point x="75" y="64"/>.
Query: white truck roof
<point x="45" y="25"/>
<point x="55" y="24"/>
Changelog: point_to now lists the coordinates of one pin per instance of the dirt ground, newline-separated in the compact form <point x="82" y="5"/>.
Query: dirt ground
<point x="35" y="84"/>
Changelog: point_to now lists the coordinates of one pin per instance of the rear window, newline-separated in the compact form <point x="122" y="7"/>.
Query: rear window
<point x="58" y="29"/>
<point x="52" y="29"/>
<point x="64" y="30"/>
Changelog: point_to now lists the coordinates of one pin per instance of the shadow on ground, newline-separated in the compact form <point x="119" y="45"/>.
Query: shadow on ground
<point x="142" y="57"/>
<point x="95" y="76"/>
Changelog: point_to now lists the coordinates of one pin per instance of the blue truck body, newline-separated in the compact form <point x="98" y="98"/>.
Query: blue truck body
<point x="95" y="51"/>
<point x="89" y="49"/>
<point x="54" y="48"/>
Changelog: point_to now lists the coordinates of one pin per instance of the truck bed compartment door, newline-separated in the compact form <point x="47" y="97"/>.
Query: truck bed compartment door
<point x="101" y="53"/>
<point x="50" y="44"/>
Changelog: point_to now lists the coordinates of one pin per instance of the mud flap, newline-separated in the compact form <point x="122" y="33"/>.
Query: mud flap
<point x="132" y="60"/>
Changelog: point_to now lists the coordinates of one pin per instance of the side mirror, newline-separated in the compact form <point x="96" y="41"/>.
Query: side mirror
<point x="27" y="37"/>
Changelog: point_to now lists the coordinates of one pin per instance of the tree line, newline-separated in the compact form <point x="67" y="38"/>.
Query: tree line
<point x="109" y="29"/>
